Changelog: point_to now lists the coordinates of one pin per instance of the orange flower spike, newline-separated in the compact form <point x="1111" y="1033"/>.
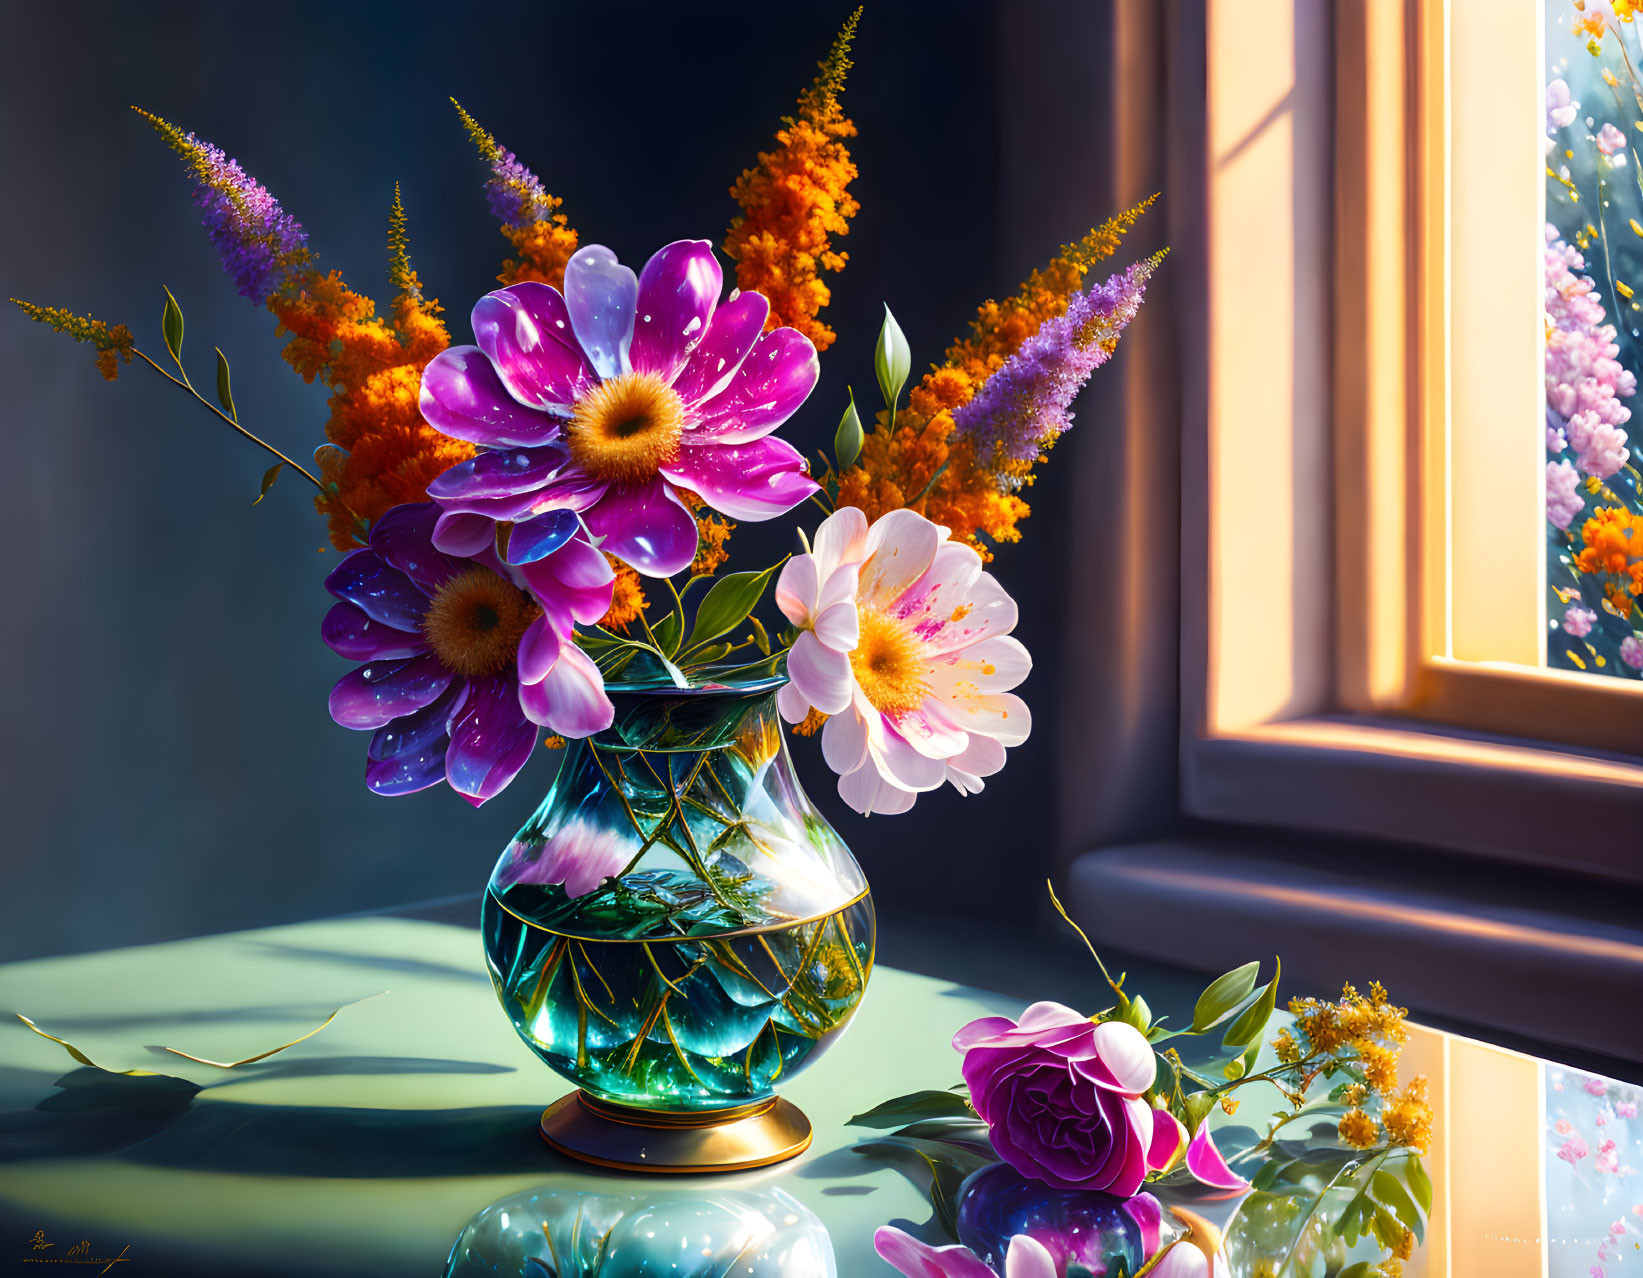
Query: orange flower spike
<point x="796" y="200"/>
<point x="112" y="342"/>
<point x="895" y="467"/>
<point x="382" y="453"/>
<point x="1000" y="327"/>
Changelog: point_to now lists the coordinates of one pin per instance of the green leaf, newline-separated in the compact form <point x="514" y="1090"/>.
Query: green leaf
<point x="268" y="478"/>
<point x="761" y="639"/>
<point x="708" y="655"/>
<point x="1420" y="1184"/>
<point x="1389" y="1189"/>
<point x="1251" y="1023"/>
<point x="171" y="324"/>
<point x="892" y="360"/>
<point x="848" y="438"/>
<point x="967" y="1133"/>
<point x="225" y="394"/>
<point x="1224" y="994"/>
<point x="1198" y="1105"/>
<point x="667" y="632"/>
<point x="1266" y="1176"/>
<point x="1360" y="1270"/>
<point x="1388" y="1229"/>
<point x="728" y="603"/>
<point x="914" y="1107"/>
<point x="1136" y="1012"/>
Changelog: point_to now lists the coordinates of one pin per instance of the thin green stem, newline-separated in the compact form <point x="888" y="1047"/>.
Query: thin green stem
<point x="696" y="862"/>
<point x="678" y="601"/>
<point x="188" y="386"/>
<point x="1060" y="909"/>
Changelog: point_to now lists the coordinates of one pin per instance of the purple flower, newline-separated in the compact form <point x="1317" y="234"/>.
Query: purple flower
<point x="516" y="198"/>
<point x="1061" y="1097"/>
<point x="1579" y="621"/>
<point x="1026" y="403"/>
<point x="1585" y="382"/>
<point x="258" y="241"/>
<point x="611" y="397"/>
<point x="1564" y="499"/>
<point x="260" y="244"/>
<point x="515" y="195"/>
<point x="1631" y="651"/>
<point x="463" y="657"/>
<point x="1560" y="108"/>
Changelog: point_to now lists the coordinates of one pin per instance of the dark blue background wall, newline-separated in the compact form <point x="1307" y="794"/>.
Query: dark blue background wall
<point x="168" y="765"/>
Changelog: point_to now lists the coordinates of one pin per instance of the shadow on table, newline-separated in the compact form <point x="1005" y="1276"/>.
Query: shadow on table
<point x="320" y="1066"/>
<point x="154" y="1119"/>
<point x="293" y="1140"/>
<point x="377" y="962"/>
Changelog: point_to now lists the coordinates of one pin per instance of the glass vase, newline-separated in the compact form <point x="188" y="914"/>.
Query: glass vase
<point x="676" y="929"/>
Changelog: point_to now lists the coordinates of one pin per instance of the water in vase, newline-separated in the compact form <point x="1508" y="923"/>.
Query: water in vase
<point x="677" y="927"/>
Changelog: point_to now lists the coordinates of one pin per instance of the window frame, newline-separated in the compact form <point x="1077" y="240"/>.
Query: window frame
<point x="1356" y="716"/>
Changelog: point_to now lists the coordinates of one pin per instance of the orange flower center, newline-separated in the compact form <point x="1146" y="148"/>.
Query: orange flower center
<point x="886" y="664"/>
<point x="626" y="428"/>
<point x="475" y="622"/>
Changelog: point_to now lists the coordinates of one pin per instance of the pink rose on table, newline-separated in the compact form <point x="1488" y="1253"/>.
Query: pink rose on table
<point x="1061" y="1097"/>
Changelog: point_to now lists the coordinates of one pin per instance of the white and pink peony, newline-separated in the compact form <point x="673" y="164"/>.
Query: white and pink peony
<point x="905" y="644"/>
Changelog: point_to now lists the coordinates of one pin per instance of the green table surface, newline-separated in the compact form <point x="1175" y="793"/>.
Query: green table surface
<point x="367" y="1148"/>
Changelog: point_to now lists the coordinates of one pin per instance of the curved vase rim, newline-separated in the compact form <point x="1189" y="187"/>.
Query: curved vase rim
<point x="750" y="930"/>
<point x="747" y="687"/>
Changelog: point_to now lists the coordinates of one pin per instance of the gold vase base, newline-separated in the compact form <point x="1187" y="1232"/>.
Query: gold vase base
<point x="646" y="1140"/>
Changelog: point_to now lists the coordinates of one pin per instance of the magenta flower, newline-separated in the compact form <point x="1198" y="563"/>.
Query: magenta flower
<point x="1061" y="1097"/>
<point x="1207" y="1166"/>
<point x="463" y="657"/>
<point x="1631" y="651"/>
<point x="609" y="399"/>
<point x="1026" y="1258"/>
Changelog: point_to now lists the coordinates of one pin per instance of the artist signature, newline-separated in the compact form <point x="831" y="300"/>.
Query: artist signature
<point x="77" y="1254"/>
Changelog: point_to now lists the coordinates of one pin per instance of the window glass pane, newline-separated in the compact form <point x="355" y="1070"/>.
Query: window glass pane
<point x="1594" y="1147"/>
<point x="1594" y="337"/>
